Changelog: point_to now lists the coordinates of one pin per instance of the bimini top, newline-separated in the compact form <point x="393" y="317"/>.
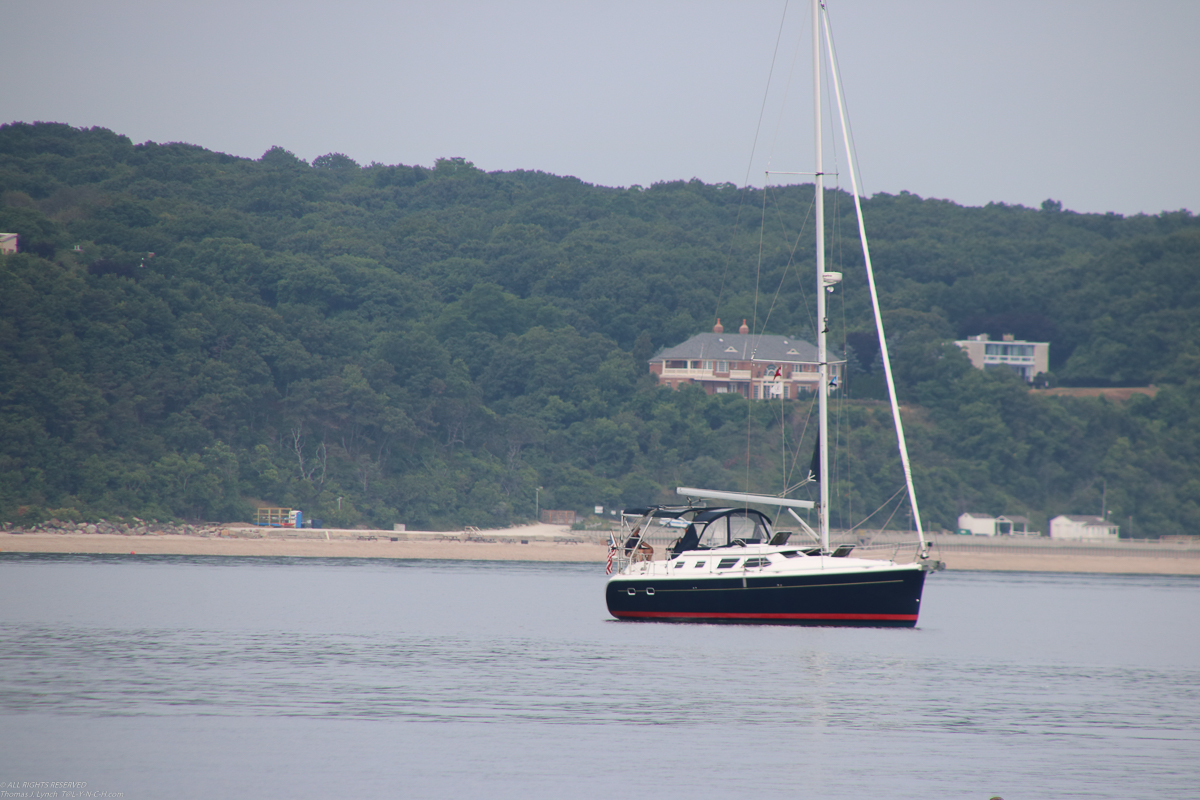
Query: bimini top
<point x="658" y="512"/>
<point x="724" y="527"/>
<point x="712" y="527"/>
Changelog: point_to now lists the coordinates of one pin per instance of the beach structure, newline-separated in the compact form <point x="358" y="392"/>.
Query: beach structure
<point x="1078" y="526"/>
<point x="278" y="518"/>
<point x="974" y="524"/>
<point x="987" y="525"/>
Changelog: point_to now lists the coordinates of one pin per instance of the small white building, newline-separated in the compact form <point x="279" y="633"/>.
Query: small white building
<point x="8" y="242"/>
<point x="987" y="525"/>
<point x="977" y="524"/>
<point x="1077" y="526"/>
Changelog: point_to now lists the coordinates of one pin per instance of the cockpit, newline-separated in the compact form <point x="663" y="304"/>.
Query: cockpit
<point x="724" y="527"/>
<point x="710" y="528"/>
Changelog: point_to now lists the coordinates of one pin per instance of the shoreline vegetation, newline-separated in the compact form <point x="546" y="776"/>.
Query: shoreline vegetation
<point x="186" y="334"/>
<point x="549" y="543"/>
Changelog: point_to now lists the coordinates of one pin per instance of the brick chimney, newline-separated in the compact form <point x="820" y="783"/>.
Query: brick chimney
<point x="745" y="328"/>
<point x="718" y="328"/>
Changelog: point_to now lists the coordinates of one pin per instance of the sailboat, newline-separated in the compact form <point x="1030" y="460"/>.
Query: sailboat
<point x="729" y="563"/>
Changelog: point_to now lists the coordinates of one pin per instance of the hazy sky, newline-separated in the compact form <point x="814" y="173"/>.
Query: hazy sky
<point x="1092" y="102"/>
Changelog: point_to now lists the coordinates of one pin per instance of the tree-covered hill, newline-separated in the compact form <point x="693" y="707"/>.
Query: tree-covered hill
<point x="185" y="332"/>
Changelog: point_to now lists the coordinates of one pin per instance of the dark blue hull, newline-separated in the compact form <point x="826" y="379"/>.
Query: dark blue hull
<point x="874" y="598"/>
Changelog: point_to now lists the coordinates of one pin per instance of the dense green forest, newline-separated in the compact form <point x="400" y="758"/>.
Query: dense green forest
<point x="185" y="333"/>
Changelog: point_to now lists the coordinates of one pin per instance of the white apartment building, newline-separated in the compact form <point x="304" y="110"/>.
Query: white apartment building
<point x="1028" y="359"/>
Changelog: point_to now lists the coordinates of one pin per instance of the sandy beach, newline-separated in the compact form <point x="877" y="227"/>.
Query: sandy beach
<point x="422" y="548"/>
<point x="1115" y="565"/>
<point x="528" y="543"/>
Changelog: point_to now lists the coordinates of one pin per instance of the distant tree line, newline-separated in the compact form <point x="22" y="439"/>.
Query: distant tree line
<point x="186" y="333"/>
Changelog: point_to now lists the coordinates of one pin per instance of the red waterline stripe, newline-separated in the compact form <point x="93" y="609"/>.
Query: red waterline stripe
<point x="679" y="614"/>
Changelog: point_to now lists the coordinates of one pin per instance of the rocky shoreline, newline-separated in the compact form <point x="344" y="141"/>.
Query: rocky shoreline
<point x="137" y="527"/>
<point x="241" y="530"/>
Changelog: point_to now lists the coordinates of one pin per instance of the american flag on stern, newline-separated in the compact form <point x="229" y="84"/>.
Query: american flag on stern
<point x="608" y="567"/>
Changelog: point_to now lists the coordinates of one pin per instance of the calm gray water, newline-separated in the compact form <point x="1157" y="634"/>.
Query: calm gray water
<point x="184" y="677"/>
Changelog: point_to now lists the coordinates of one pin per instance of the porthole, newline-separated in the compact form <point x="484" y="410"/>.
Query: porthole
<point x="649" y="590"/>
<point x="631" y="591"/>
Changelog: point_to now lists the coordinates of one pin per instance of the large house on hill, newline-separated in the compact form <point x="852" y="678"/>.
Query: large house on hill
<point x="756" y="366"/>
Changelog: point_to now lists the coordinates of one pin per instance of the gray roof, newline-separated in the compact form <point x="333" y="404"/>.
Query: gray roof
<point x="744" y="347"/>
<point x="1088" y="519"/>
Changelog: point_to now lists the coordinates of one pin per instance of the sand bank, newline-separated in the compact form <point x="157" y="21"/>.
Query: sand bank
<point x="544" y="543"/>
<point x="1005" y="562"/>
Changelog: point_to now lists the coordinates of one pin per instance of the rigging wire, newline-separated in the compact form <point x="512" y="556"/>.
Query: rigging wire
<point x="791" y="260"/>
<point x="895" y="406"/>
<point x="844" y="397"/>
<point x="750" y="162"/>
<point x="881" y="507"/>
<point x="782" y="428"/>
<point x="792" y="245"/>
<point x="796" y="452"/>
<point x="737" y="221"/>
<point x="883" y="527"/>
<point x="845" y="102"/>
<point x="842" y="458"/>
<point x="840" y="469"/>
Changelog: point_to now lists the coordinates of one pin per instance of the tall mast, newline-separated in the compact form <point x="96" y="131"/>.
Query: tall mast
<point x="822" y="326"/>
<point x="883" y="349"/>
